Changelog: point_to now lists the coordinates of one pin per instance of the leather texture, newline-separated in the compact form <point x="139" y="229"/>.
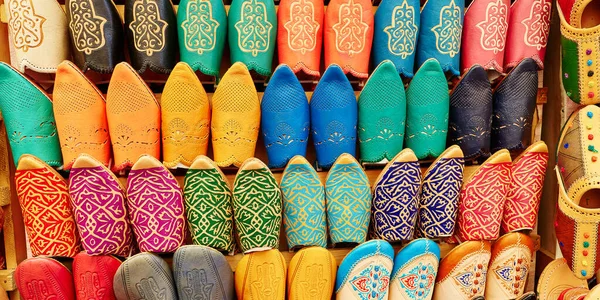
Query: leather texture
<point x="556" y="278"/>
<point x="396" y="198"/>
<point x="415" y="269"/>
<point x="44" y="278"/>
<point x="256" y="207"/>
<point x="514" y="106"/>
<point x="235" y="117"/>
<point x="128" y="98"/>
<point x="303" y="205"/>
<point x="381" y="115"/>
<point x="252" y="34"/>
<point x="574" y="294"/>
<point x="46" y="208"/>
<point x="96" y="33"/>
<point x="427" y="111"/>
<point x="365" y="272"/>
<point x="349" y="199"/>
<point x="261" y="276"/>
<point x="311" y="274"/>
<point x="440" y="34"/>
<point x="439" y="192"/>
<point x="300" y="35"/>
<point x="395" y="34"/>
<point x="484" y="34"/>
<point x="38" y="35"/>
<point x="151" y="31"/>
<point x="348" y="35"/>
<point x="528" y="29"/>
<point x="29" y="119"/>
<point x="208" y="205"/>
<point x="462" y="272"/>
<point x="144" y="276"/>
<point x="470" y="121"/>
<point x="285" y="117"/>
<point x="185" y="117"/>
<point x="93" y="276"/>
<point x="202" y="30"/>
<point x="201" y="272"/>
<point x="80" y="113"/>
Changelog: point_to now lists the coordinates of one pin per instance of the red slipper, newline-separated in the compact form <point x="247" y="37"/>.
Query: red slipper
<point x="93" y="276"/>
<point x="44" y="278"/>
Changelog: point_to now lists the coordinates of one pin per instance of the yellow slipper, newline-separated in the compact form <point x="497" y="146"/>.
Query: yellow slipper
<point x="261" y="276"/>
<point x="311" y="274"/>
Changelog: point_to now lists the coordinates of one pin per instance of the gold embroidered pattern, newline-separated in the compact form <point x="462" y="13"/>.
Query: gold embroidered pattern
<point x="200" y="27"/>
<point x="402" y="32"/>
<point x="494" y="27"/>
<point x="254" y="28"/>
<point x="148" y="28"/>
<point x="87" y="28"/>
<point x="302" y="28"/>
<point x="350" y="30"/>
<point x="25" y="25"/>
<point x="537" y="25"/>
<point x="449" y="30"/>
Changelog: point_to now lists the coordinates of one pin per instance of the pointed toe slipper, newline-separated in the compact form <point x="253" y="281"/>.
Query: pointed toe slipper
<point x="311" y="274"/>
<point x="144" y="276"/>
<point x="93" y="276"/>
<point x="415" y="269"/>
<point x="44" y="278"/>
<point x="261" y="276"/>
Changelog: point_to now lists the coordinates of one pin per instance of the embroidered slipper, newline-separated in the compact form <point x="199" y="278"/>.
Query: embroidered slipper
<point x="482" y="198"/>
<point x="202" y="273"/>
<point x="209" y="205"/>
<point x="99" y="206"/>
<point x="300" y="35"/>
<point x="438" y="198"/>
<point x="252" y="34"/>
<point x="527" y="180"/>
<point x="396" y="198"/>
<point x="155" y="205"/>
<point x="415" y="268"/>
<point x="365" y="272"/>
<point x="349" y="35"/>
<point x="44" y="278"/>
<point x="256" y="207"/>
<point x="381" y="115"/>
<point x="348" y="195"/>
<point x="427" y="111"/>
<point x="333" y="117"/>
<point x="462" y="272"/>
<point x="96" y="34"/>
<point x="127" y="99"/>
<point x="202" y="47"/>
<point x="185" y="116"/>
<point x="80" y="112"/>
<point x="303" y="205"/>
<point x="285" y="117"/>
<point x="470" y="121"/>
<point x="577" y="293"/>
<point x="311" y="274"/>
<point x="235" y="117"/>
<point x="395" y="34"/>
<point x="38" y="36"/>
<point x="44" y="198"/>
<point x="151" y="35"/>
<point x="261" y="276"/>
<point x="556" y="278"/>
<point x="144" y="276"/>
<point x="93" y="276"/>
<point x="440" y="34"/>
<point x="27" y="113"/>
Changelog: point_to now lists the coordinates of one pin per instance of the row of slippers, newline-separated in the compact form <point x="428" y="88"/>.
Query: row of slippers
<point x="472" y="270"/>
<point x="400" y="31"/>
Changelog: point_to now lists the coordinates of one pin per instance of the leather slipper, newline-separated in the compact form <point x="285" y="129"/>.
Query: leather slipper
<point x="509" y="266"/>
<point x="93" y="276"/>
<point x="556" y="278"/>
<point x="144" y="276"/>
<point x="44" y="278"/>
<point x="415" y="269"/>
<point x="311" y="275"/>
<point x="261" y="276"/>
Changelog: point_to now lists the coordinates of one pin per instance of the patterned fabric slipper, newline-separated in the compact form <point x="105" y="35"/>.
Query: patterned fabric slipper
<point x="396" y="198"/>
<point x="80" y="112"/>
<point x="256" y="207"/>
<point x="93" y="276"/>
<point x="311" y="274"/>
<point x="556" y="278"/>
<point x="185" y="116"/>
<point x="127" y="99"/>
<point x="261" y="276"/>
<point x="202" y="273"/>
<point x="44" y="278"/>
<point x="303" y="205"/>
<point x="99" y="205"/>
<point x="144" y="276"/>
<point x="209" y="205"/>
<point x="45" y="204"/>
<point x="415" y="269"/>
<point x="155" y="205"/>
<point x="348" y="195"/>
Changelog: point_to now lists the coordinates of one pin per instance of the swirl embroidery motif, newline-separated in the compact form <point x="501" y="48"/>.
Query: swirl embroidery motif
<point x="402" y="32"/>
<point x="350" y="30"/>
<point x="87" y="28"/>
<point x="25" y="25"/>
<point x="148" y="28"/>
<point x="200" y="27"/>
<point x="371" y="283"/>
<point x="494" y="27"/>
<point x="302" y="28"/>
<point x="449" y="29"/>
<point x="254" y="28"/>
<point x="537" y="25"/>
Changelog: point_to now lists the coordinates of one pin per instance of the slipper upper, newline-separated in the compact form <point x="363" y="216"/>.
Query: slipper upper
<point x="144" y="276"/>
<point x="556" y="278"/>
<point x="43" y="278"/>
<point x="415" y="269"/>
<point x="261" y="275"/>
<point x="311" y="274"/>
<point x="93" y="275"/>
